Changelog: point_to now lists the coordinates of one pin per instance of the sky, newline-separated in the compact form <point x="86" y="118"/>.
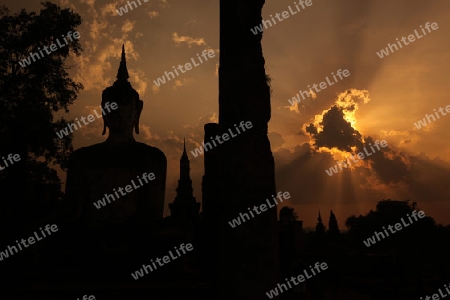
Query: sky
<point x="380" y="99"/>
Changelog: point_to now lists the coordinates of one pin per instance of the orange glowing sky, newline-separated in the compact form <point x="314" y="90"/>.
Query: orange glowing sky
<point x="299" y="51"/>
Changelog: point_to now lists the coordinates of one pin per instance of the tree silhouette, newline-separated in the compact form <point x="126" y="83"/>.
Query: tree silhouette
<point x="389" y="212"/>
<point x="333" y="228"/>
<point x="31" y="95"/>
<point x="288" y="213"/>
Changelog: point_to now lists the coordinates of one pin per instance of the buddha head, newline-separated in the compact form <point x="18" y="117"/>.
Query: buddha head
<point x="126" y="117"/>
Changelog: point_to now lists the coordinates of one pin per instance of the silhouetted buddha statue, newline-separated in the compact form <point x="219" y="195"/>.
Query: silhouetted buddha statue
<point x="111" y="183"/>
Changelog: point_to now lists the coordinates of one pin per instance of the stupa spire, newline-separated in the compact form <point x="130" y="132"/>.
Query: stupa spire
<point x="320" y="228"/>
<point x="122" y="73"/>
<point x="184" y="148"/>
<point x="184" y="207"/>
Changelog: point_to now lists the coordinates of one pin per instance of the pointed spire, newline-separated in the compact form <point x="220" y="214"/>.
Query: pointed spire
<point x="122" y="73"/>
<point x="320" y="228"/>
<point x="184" y="156"/>
<point x="184" y="207"/>
<point x="184" y="163"/>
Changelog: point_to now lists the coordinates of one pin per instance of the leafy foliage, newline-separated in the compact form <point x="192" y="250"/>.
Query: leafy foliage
<point x="389" y="212"/>
<point x="289" y="213"/>
<point x="31" y="95"/>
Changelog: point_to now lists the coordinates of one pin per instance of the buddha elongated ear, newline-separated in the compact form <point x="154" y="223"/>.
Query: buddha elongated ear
<point x="104" y="128"/>
<point x="139" y="106"/>
<point x="104" y="124"/>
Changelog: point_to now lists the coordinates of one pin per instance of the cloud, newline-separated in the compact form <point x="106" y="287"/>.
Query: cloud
<point x="299" y="106"/>
<point x="146" y="134"/>
<point x="276" y="140"/>
<point x="163" y="3"/>
<point x="178" y="40"/>
<point x="178" y="83"/>
<point x="155" y="89"/>
<point x="140" y="81"/>
<point x="102" y="44"/>
<point x="153" y="14"/>
<point x="127" y="26"/>
<point x="334" y="128"/>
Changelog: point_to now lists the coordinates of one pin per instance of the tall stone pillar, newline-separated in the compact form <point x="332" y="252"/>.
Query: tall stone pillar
<point x="239" y="173"/>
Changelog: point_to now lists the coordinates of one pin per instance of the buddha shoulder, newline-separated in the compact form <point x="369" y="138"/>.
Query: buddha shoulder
<point x="151" y="152"/>
<point x="104" y="151"/>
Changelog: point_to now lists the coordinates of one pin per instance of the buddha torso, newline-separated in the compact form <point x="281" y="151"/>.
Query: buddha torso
<point x="104" y="168"/>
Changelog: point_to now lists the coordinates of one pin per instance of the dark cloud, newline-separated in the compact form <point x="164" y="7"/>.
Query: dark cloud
<point x="337" y="132"/>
